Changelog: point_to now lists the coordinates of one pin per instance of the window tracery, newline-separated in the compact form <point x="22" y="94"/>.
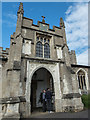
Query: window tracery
<point x="42" y="47"/>
<point x="81" y="80"/>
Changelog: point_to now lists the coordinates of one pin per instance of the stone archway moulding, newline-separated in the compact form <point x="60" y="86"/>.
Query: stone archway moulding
<point x="52" y="68"/>
<point x="42" y="66"/>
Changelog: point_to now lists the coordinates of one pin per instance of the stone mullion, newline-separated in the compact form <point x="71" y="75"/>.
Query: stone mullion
<point x="43" y="47"/>
<point x="80" y="82"/>
<point x="83" y="81"/>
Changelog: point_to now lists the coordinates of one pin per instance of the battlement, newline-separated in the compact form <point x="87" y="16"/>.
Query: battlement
<point x="41" y="26"/>
<point x="72" y="51"/>
<point x="1" y="48"/>
<point x="4" y="51"/>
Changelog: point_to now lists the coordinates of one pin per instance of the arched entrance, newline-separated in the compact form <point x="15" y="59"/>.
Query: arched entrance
<point x="41" y="79"/>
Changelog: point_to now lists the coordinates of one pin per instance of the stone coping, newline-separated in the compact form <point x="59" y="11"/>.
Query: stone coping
<point x="42" y="59"/>
<point x="75" y="65"/>
<point x="71" y="96"/>
<point x="12" y="100"/>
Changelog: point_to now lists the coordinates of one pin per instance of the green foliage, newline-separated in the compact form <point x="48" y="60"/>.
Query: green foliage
<point x="86" y="100"/>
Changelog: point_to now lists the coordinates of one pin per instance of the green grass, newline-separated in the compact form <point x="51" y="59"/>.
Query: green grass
<point x="86" y="100"/>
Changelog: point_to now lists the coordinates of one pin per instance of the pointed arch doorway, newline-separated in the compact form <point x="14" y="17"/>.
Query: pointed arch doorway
<point x="41" y="79"/>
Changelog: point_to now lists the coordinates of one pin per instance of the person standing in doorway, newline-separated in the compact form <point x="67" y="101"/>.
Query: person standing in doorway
<point x="49" y="100"/>
<point x="43" y="100"/>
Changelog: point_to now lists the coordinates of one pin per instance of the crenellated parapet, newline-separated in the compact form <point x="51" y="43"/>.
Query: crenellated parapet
<point x="4" y="56"/>
<point x="41" y="26"/>
<point x="4" y="51"/>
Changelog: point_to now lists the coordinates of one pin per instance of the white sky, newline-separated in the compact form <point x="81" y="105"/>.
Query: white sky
<point x="77" y="31"/>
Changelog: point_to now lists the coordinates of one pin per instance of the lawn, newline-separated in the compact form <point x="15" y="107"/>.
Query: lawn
<point x="86" y="100"/>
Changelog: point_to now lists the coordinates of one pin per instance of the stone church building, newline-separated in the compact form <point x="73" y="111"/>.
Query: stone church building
<point x="39" y="58"/>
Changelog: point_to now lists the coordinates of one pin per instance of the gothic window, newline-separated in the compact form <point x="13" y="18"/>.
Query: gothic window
<point x="46" y="51"/>
<point x="39" y="49"/>
<point x="81" y="80"/>
<point x="42" y="47"/>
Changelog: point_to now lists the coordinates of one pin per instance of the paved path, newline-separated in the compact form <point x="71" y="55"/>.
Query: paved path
<point x="82" y="114"/>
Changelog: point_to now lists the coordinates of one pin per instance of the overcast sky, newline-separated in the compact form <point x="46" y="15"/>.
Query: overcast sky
<point x="74" y="14"/>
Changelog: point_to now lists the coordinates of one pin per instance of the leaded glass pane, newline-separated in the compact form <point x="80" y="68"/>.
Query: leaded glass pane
<point x="46" y="51"/>
<point x="41" y="39"/>
<point x="44" y="40"/>
<point x="37" y="38"/>
<point x="48" y="40"/>
<point x="39" y="49"/>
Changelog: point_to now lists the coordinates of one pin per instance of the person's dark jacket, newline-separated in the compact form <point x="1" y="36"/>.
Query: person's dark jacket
<point x="48" y="95"/>
<point x="41" y="97"/>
